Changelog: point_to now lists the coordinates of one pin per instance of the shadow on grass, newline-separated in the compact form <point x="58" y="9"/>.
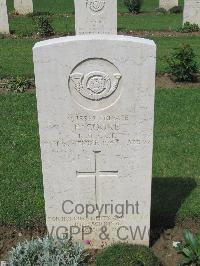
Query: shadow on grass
<point x="168" y="194"/>
<point x="119" y="29"/>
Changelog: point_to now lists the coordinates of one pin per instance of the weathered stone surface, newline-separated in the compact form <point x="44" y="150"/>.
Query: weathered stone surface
<point x="23" y="7"/>
<point x="168" y="4"/>
<point x="96" y="16"/>
<point x="96" y="112"/>
<point x="192" y="11"/>
<point x="4" y="25"/>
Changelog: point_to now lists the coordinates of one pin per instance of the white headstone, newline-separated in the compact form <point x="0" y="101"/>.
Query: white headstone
<point x="23" y="7"/>
<point x="192" y="11"/>
<point x="96" y="16"/>
<point x="4" y="25"/>
<point x="95" y="98"/>
<point x="168" y="4"/>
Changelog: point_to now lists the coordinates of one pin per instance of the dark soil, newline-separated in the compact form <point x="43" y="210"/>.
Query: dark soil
<point x="149" y="34"/>
<point x="164" y="81"/>
<point x="10" y="236"/>
<point x="163" y="248"/>
<point x="121" y="31"/>
<point x="138" y="33"/>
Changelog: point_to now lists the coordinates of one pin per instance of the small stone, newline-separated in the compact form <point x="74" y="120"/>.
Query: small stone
<point x="175" y="244"/>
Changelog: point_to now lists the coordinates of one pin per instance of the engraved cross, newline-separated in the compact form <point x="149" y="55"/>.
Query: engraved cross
<point x="97" y="173"/>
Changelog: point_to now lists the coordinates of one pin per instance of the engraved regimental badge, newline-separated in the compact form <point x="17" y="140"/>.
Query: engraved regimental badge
<point x="94" y="80"/>
<point x="96" y="84"/>
<point x="95" y="5"/>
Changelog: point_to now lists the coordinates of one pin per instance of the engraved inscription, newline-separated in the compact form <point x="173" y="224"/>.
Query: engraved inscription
<point x="98" y="131"/>
<point x="95" y="5"/>
<point x="97" y="174"/>
<point x="96" y="80"/>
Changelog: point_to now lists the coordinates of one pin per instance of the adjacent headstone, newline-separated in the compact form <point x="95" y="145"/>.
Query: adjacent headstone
<point x="191" y="11"/>
<point x="23" y="7"/>
<point x="95" y="98"/>
<point x="96" y="16"/>
<point x="4" y="25"/>
<point x="168" y="4"/>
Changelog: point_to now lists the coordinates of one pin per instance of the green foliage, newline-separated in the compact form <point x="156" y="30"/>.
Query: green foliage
<point x="44" y="26"/>
<point x="176" y="155"/>
<point x="182" y="64"/>
<point x="188" y="27"/>
<point x="2" y="36"/>
<point x="190" y="249"/>
<point x="126" y="254"/>
<point x="175" y="10"/>
<point x="24" y="26"/>
<point x="133" y="6"/>
<point x="19" y="84"/>
<point x="47" y="251"/>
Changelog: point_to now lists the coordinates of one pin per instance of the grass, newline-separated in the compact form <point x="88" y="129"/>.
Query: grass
<point x="67" y="6"/>
<point x="21" y="197"/>
<point x="16" y="57"/>
<point x="24" y="26"/>
<point x="147" y="20"/>
<point x="150" y="22"/>
<point x="123" y="254"/>
<point x="176" y="167"/>
<point x="16" y="54"/>
<point x="176" y="156"/>
<point x="63" y="6"/>
<point x="165" y="45"/>
<point x="59" y="6"/>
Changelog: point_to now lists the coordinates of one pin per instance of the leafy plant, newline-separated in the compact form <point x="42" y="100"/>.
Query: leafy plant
<point x="44" y="26"/>
<point x="126" y="254"/>
<point x="188" y="27"/>
<point x="46" y="252"/>
<point x="18" y="84"/>
<point x="190" y="249"/>
<point x="182" y="64"/>
<point x="175" y="10"/>
<point x="133" y="6"/>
